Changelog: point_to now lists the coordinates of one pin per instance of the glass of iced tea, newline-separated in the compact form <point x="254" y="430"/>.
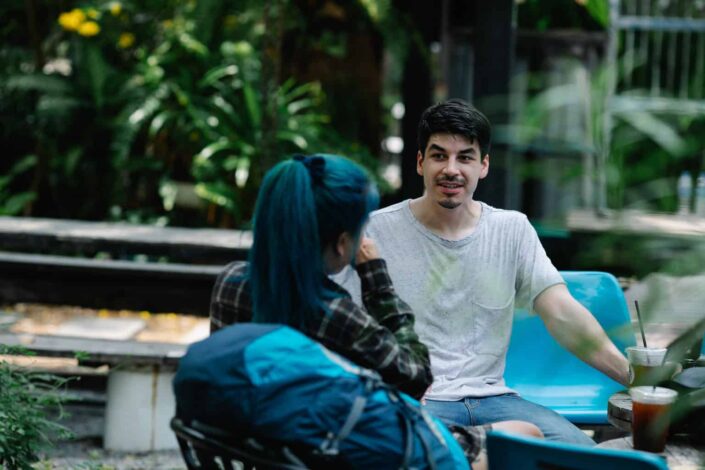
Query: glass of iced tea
<point x="646" y="365"/>
<point x="650" y="416"/>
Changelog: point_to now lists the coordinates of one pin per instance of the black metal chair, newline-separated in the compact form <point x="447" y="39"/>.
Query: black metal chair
<point x="204" y="447"/>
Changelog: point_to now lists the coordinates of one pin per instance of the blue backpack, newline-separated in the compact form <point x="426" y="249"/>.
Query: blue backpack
<point x="272" y="381"/>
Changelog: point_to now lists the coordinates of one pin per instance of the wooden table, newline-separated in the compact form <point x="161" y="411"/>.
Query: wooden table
<point x="619" y="411"/>
<point x="680" y="454"/>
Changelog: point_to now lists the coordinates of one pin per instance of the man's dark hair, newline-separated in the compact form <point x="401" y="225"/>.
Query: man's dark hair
<point x="457" y="117"/>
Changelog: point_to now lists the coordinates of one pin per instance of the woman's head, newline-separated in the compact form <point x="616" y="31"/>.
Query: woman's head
<point x="305" y="205"/>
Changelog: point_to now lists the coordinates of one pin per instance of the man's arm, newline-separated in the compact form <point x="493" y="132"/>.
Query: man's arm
<point x="574" y="327"/>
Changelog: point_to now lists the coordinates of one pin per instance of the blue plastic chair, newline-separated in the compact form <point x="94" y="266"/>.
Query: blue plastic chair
<point x="509" y="452"/>
<point x="544" y="372"/>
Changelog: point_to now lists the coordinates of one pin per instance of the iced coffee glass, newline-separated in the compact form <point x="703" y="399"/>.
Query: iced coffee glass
<point x="646" y="365"/>
<point x="650" y="416"/>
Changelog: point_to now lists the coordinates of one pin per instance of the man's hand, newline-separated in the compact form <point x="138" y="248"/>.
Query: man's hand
<point x="367" y="251"/>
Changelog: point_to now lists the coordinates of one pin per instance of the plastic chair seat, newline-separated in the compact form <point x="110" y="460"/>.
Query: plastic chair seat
<point x="509" y="452"/>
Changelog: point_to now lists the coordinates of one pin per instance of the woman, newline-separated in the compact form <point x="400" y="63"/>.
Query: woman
<point x="308" y="224"/>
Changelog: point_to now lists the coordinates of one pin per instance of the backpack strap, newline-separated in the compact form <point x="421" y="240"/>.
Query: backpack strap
<point x="427" y="447"/>
<point x="408" y="432"/>
<point x="413" y="417"/>
<point x="330" y="445"/>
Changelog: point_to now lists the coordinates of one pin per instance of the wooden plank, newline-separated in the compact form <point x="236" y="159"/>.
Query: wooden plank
<point x="98" y="351"/>
<point x="179" y="244"/>
<point x="635" y="103"/>
<point x="156" y="287"/>
<point x="679" y="25"/>
<point x="637" y="223"/>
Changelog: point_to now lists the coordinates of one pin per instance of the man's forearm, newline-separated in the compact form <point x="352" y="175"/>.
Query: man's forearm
<point x="574" y="327"/>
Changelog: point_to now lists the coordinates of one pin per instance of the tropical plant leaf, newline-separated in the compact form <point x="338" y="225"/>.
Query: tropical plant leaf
<point x="15" y="204"/>
<point x="220" y="194"/>
<point x="25" y="163"/>
<point x="97" y="69"/>
<point x="192" y="44"/>
<point x="159" y="121"/>
<point x="217" y="74"/>
<point x="657" y="129"/>
<point x="208" y="151"/>
<point x="252" y="105"/>
<point x="599" y="10"/>
<point x="684" y="342"/>
<point x="57" y="106"/>
<point x="49" y="84"/>
<point x="295" y="138"/>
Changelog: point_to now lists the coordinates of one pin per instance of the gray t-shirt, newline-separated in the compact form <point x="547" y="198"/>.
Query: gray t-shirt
<point x="463" y="292"/>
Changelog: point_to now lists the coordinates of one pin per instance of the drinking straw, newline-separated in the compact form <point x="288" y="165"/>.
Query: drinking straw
<point x="641" y="324"/>
<point x="643" y="337"/>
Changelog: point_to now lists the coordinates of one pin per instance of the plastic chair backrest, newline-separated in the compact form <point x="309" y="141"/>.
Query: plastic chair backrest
<point x="544" y="372"/>
<point x="204" y="447"/>
<point x="508" y="452"/>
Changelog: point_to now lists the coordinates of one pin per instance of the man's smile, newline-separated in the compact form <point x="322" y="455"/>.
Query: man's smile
<point x="450" y="187"/>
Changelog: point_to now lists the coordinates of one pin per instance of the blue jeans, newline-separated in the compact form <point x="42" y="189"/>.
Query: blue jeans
<point x="475" y="411"/>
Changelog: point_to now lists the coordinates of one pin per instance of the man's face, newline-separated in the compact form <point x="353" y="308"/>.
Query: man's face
<point x="451" y="166"/>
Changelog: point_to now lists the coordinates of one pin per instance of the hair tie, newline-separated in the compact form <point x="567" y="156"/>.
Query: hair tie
<point x="315" y="165"/>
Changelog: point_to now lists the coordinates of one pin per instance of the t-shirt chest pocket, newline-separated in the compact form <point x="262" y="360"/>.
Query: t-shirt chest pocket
<point x="492" y="311"/>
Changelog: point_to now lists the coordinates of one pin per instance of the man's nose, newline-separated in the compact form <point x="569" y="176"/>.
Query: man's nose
<point x="451" y="167"/>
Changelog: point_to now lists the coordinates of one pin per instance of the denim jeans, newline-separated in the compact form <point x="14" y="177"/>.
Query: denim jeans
<point x="475" y="411"/>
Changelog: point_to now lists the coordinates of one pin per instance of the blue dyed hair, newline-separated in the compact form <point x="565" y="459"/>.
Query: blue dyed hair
<point x="303" y="206"/>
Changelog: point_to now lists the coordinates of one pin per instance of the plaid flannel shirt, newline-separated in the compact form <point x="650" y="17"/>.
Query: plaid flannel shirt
<point x="381" y="338"/>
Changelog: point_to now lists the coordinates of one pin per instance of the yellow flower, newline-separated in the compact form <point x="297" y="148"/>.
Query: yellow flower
<point x="72" y="20"/>
<point x="93" y="13"/>
<point x="115" y="8"/>
<point x="126" y="40"/>
<point x="168" y="24"/>
<point x="89" y="28"/>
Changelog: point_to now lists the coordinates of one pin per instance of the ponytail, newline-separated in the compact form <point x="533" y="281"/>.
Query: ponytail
<point x="285" y="259"/>
<point x="304" y="204"/>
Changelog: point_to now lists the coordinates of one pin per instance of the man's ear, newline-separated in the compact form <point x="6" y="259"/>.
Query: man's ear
<point x="485" y="166"/>
<point x="419" y="163"/>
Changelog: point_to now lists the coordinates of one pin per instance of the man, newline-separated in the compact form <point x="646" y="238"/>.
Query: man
<point x="463" y="266"/>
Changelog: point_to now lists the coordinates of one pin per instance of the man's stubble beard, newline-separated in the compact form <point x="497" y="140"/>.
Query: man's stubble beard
<point x="449" y="204"/>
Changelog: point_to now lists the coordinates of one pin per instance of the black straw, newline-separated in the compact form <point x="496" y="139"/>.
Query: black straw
<point x="641" y="324"/>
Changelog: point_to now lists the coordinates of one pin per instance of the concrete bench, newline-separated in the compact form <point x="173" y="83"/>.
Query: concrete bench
<point x="111" y="284"/>
<point x="158" y="269"/>
<point x="140" y="401"/>
<point x="119" y="240"/>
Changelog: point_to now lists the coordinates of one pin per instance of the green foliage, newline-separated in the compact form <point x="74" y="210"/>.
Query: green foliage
<point x="648" y="150"/>
<point x="25" y="398"/>
<point x="13" y="202"/>
<point x="124" y="104"/>
<point x="214" y="123"/>
<point x="542" y="15"/>
<point x="599" y="10"/>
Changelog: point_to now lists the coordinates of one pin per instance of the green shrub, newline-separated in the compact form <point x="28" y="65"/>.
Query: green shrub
<point x="26" y="398"/>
